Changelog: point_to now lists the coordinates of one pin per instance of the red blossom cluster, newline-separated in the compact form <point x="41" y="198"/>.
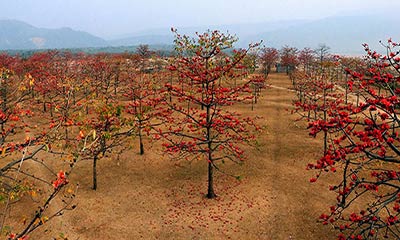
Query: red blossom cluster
<point x="362" y="144"/>
<point x="60" y="181"/>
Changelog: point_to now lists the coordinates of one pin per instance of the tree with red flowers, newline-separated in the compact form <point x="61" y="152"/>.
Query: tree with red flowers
<point x="356" y="64"/>
<point x="268" y="57"/>
<point x="102" y="133"/>
<point x="257" y="84"/>
<point x="306" y="58"/>
<point x="41" y="66"/>
<point x="315" y="100"/>
<point x="144" y="97"/>
<point x="201" y="123"/>
<point x="104" y="129"/>
<point x="364" y="149"/>
<point x="25" y="150"/>
<point x="289" y="58"/>
<point x="42" y="215"/>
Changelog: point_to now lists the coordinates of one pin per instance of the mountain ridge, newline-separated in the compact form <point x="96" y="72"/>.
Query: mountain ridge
<point x="19" y="35"/>
<point x="344" y="34"/>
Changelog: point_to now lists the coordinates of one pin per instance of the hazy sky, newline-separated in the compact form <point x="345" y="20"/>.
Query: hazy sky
<point x="111" y="18"/>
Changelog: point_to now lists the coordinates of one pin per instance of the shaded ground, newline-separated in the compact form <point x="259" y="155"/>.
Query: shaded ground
<point x="152" y="197"/>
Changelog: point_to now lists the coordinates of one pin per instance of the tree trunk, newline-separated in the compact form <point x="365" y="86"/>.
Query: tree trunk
<point x="254" y="99"/>
<point x="66" y="136"/>
<point x="358" y="99"/>
<point x="141" y="141"/>
<point x="44" y="104"/>
<point x="95" y="172"/>
<point x="116" y="83"/>
<point x="202" y="96"/>
<point x="210" y="193"/>
<point x="74" y="97"/>
<point x="326" y="131"/>
<point x="325" y="142"/>
<point x="141" y="147"/>
<point x="170" y="92"/>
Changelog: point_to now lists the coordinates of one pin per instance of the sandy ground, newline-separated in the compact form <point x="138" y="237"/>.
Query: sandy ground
<point x="153" y="197"/>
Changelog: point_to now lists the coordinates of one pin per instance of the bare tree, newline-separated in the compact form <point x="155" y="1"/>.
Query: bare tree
<point x="322" y="51"/>
<point x="143" y="50"/>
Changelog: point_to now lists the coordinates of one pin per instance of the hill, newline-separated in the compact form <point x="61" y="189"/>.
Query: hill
<point x="163" y="36"/>
<point x="20" y="35"/>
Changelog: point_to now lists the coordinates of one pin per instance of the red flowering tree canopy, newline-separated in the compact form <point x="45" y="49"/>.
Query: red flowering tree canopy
<point x="364" y="148"/>
<point x="201" y="122"/>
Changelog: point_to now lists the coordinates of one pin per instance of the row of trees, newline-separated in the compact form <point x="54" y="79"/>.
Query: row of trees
<point x="360" y="131"/>
<point x="290" y="57"/>
<point x="58" y="109"/>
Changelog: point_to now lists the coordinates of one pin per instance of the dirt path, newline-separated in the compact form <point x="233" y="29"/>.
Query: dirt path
<point x="296" y="202"/>
<point x="152" y="197"/>
<point x="280" y="88"/>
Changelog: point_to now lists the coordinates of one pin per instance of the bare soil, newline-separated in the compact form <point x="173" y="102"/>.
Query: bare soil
<point x="154" y="197"/>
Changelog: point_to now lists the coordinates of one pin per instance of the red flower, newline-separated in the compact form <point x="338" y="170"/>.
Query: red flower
<point x="61" y="180"/>
<point x="313" y="180"/>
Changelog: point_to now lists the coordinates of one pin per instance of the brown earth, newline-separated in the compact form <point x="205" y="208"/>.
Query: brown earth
<point x="154" y="197"/>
